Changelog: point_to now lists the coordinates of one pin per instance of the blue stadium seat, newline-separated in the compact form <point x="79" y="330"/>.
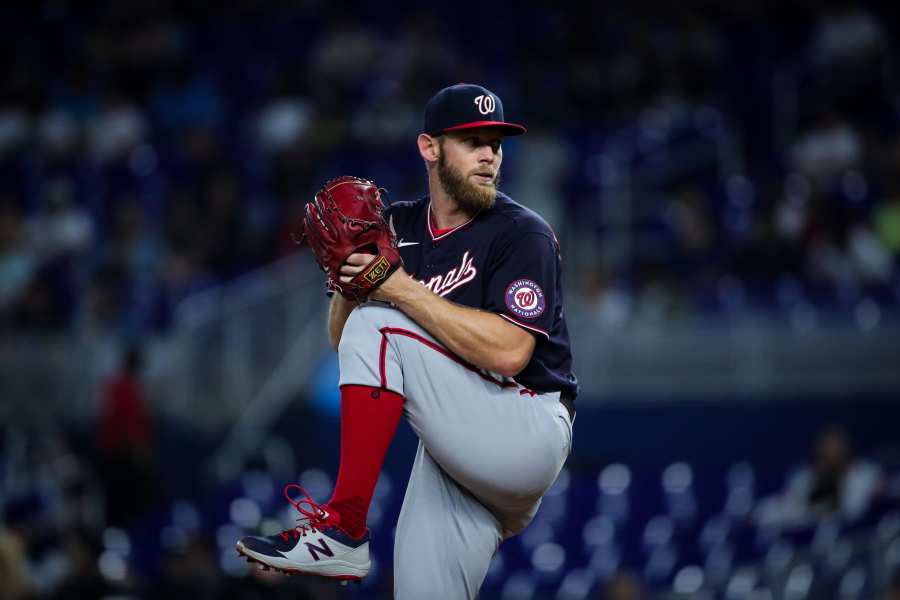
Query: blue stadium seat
<point x="659" y="569"/>
<point x="576" y="585"/>
<point x="613" y="484"/>
<point x="519" y="586"/>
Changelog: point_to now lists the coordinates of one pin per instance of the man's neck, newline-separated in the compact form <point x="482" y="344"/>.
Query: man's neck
<point x="444" y="210"/>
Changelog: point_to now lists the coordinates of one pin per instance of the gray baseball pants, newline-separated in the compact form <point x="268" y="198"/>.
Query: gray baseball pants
<point x="488" y="450"/>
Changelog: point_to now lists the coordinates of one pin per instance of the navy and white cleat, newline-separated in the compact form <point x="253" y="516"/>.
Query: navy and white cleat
<point x="316" y="546"/>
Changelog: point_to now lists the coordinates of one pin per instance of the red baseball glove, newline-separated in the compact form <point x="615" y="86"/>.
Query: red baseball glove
<point x="347" y="216"/>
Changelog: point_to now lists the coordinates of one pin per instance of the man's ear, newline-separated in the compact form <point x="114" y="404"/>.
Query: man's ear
<point x="429" y="148"/>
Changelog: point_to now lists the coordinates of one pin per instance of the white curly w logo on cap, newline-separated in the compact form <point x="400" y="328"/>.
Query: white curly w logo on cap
<point x="485" y="103"/>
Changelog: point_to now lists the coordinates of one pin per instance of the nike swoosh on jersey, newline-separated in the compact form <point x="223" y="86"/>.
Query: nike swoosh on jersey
<point x="401" y="244"/>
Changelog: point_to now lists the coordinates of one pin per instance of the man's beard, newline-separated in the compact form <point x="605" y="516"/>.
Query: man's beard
<point x="470" y="197"/>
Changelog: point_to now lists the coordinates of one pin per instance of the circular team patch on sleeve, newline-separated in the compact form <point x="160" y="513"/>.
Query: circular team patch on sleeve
<point x="525" y="299"/>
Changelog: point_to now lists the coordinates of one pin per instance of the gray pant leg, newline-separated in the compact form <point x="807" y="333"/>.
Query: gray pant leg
<point x="505" y="447"/>
<point x="493" y="450"/>
<point x="445" y="537"/>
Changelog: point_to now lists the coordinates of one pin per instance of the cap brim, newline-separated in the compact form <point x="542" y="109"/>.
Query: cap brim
<point x="507" y="128"/>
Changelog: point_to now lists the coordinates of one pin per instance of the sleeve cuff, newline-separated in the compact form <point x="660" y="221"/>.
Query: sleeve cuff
<point x="530" y="328"/>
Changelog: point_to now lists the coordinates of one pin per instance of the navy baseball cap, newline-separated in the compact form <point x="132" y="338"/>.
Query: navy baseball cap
<point x="466" y="106"/>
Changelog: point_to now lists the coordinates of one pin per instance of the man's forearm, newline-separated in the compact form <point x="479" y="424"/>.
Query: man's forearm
<point x="338" y="311"/>
<point x="481" y="338"/>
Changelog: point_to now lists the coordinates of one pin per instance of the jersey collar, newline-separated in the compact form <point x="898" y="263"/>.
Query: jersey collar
<point x="433" y="232"/>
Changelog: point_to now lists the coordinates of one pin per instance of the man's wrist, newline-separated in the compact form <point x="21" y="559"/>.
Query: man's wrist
<point x="397" y="288"/>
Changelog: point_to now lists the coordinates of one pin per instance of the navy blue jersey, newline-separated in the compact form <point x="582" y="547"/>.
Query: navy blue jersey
<point x="506" y="260"/>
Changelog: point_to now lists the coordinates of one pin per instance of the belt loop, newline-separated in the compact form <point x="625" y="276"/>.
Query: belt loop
<point x="566" y="400"/>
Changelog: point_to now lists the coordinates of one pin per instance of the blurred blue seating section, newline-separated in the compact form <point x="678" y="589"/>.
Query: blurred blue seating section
<point x="695" y="158"/>
<point x="679" y="531"/>
<point x="809" y="512"/>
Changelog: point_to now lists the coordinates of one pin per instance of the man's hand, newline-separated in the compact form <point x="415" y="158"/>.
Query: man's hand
<point x="388" y="290"/>
<point x="353" y="266"/>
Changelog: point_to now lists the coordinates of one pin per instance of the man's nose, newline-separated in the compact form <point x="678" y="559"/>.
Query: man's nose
<point x="486" y="154"/>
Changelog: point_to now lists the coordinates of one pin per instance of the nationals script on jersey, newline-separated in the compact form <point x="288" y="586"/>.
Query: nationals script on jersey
<point x="506" y="260"/>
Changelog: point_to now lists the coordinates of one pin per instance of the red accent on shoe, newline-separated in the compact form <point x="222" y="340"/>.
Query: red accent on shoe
<point x="315" y="518"/>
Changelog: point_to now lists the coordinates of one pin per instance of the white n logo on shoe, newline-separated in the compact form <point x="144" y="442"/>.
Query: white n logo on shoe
<point x="323" y="548"/>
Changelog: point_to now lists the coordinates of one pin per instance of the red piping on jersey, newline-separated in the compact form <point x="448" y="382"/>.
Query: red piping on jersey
<point x="382" y="358"/>
<point x="529" y="327"/>
<point x="382" y="366"/>
<point x="437" y="234"/>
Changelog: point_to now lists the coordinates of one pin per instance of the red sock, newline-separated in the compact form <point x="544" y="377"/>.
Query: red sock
<point x="369" y="418"/>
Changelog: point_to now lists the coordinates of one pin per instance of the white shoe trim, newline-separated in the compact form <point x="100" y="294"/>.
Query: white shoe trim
<point x="353" y="562"/>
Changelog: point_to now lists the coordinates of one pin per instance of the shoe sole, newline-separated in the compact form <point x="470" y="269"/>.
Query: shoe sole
<point x="252" y="557"/>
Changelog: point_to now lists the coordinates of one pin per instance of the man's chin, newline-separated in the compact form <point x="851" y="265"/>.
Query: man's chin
<point x="482" y="200"/>
<point x="471" y="193"/>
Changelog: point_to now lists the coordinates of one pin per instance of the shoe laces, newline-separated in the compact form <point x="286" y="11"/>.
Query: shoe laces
<point x="313" y="517"/>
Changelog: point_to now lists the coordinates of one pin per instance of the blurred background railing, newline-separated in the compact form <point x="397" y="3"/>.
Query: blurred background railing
<point x="229" y="345"/>
<point x="224" y="346"/>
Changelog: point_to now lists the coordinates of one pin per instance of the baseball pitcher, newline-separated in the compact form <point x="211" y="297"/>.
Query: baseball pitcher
<point x="447" y="310"/>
